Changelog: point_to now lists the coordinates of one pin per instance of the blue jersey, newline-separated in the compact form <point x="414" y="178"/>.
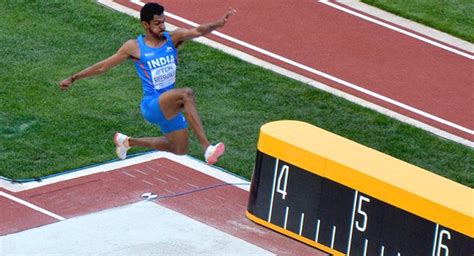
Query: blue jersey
<point x="156" y="66"/>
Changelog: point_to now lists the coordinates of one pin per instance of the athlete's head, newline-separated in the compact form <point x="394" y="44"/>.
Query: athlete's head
<point x="153" y="19"/>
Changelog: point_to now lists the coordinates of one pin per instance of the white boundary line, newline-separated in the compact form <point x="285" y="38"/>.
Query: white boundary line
<point x="402" y="31"/>
<point x="184" y="160"/>
<point x="273" y="191"/>
<point x="349" y="244"/>
<point x="435" y="240"/>
<point x="32" y="206"/>
<point x="293" y="75"/>
<point x="408" y="24"/>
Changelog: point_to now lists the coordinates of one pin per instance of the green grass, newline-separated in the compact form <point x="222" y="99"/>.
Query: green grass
<point x="451" y="16"/>
<point x="44" y="130"/>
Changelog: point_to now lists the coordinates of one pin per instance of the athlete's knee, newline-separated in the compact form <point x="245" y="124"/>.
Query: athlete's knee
<point x="188" y="94"/>
<point x="188" y="91"/>
<point x="181" y="152"/>
<point x="180" y="149"/>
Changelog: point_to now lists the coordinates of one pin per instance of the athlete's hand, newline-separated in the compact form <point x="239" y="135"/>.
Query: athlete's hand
<point x="66" y="83"/>
<point x="229" y="13"/>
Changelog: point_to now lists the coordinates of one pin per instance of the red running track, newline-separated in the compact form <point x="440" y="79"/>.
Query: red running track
<point x="412" y="72"/>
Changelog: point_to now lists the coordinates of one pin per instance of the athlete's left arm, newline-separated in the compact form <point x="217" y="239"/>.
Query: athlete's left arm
<point x="180" y="35"/>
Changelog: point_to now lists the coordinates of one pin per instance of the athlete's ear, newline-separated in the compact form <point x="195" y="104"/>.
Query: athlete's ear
<point x="145" y="25"/>
<point x="178" y="44"/>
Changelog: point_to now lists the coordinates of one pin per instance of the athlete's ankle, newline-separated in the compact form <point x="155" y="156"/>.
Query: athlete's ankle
<point x="128" y="142"/>
<point x="205" y="146"/>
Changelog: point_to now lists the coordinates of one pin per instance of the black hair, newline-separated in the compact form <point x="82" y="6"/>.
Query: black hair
<point x="149" y="10"/>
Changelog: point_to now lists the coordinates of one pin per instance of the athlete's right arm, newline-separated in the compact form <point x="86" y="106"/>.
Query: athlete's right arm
<point x="127" y="50"/>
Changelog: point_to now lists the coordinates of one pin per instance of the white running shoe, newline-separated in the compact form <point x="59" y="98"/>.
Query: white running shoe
<point x="214" y="152"/>
<point x="121" y="145"/>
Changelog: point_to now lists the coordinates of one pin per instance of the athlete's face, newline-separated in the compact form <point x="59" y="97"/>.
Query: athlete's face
<point x="156" y="26"/>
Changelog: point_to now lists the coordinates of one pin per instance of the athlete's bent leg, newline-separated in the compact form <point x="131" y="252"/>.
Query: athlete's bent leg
<point x="179" y="141"/>
<point x="176" y="100"/>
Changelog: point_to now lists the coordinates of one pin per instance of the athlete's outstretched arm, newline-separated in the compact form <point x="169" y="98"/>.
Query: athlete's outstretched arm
<point x="125" y="52"/>
<point x="181" y="35"/>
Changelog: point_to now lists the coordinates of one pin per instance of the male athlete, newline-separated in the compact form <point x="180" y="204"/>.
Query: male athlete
<point x="155" y="58"/>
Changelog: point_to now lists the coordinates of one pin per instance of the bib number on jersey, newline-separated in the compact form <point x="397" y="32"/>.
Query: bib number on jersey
<point x="164" y="76"/>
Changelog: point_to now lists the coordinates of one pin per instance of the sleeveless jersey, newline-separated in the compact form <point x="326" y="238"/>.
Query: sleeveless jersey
<point x="156" y="66"/>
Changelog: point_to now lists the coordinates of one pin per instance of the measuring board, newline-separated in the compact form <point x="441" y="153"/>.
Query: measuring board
<point x="347" y="199"/>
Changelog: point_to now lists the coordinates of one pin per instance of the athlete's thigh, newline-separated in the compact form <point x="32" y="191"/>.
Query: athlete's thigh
<point x="179" y="139"/>
<point x="171" y="102"/>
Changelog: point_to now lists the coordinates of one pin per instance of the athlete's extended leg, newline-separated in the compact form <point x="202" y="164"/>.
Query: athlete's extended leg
<point x="175" y="142"/>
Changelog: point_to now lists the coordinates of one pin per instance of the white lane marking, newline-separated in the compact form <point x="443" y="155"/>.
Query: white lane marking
<point x="286" y="217"/>
<point x="333" y="236"/>
<point x="192" y="185"/>
<point x="325" y="75"/>
<point x="366" y="244"/>
<point x="273" y="191"/>
<point x="301" y="224"/>
<point x="407" y="24"/>
<point x="149" y="183"/>
<point x="171" y="177"/>
<point x="352" y="223"/>
<point x="128" y="174"/>
<point x="137" y="2"/>
<point x="316" y="236"/>
<point x="156" y="178"/>
<point x="402" y="31"/>
<point x="32" y="206"/>
<point x="435" y="239"/>
<point x="142" y="172"/>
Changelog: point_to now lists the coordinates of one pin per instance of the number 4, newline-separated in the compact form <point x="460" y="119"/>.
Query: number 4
<point x="283" y="174"/>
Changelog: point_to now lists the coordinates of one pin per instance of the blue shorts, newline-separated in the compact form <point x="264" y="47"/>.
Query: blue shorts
<point x="151" y="111"/>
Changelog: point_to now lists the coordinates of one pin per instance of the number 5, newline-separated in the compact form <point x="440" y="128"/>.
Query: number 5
<point x="361" y="212"/>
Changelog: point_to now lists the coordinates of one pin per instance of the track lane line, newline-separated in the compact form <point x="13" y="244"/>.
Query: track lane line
<point x="402" y="31"/>
<point x="32" y="206"/>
